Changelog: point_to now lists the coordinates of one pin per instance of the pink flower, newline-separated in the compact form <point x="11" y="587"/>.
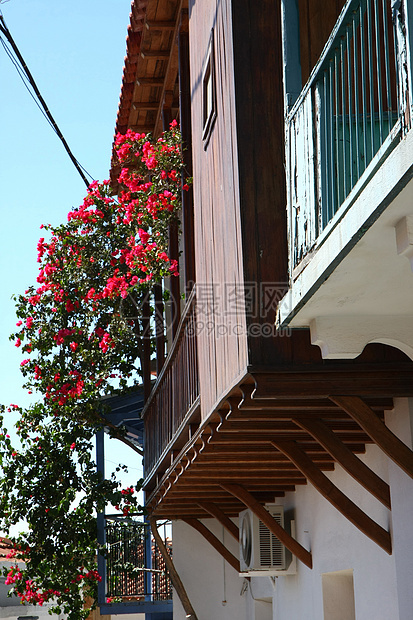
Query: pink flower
<point x="24" y="362"/>
<point x="18" y="342"/>
<point x="73" y="446"/>
<point x="74" y="346"/>
<point x="143" y="235"/>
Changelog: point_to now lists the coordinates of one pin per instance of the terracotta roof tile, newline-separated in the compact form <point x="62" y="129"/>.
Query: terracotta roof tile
<point x="5" y="546"/>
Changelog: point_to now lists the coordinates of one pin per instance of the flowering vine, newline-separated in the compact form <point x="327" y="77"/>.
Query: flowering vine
<point x="80" y="332"/>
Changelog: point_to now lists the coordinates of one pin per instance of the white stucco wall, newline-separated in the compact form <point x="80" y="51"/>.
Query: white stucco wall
<point x="382" y="583"/>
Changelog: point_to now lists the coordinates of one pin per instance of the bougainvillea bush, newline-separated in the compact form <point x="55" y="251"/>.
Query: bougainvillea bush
<point x="79" y="329"/>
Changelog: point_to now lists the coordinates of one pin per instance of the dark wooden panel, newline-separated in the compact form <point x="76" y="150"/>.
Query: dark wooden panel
<point x="218" y="251"/>
<point x="260" y="131"/>
<point x="317" y="18"/>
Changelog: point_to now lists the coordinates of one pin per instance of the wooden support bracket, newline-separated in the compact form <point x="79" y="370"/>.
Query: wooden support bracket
<point x="160" y="25"/>
<point x="336" y="497"/>
<point x="215" y="542"/>
<point x="395" y="449"/>
<point x="145" y="105"/>
<point x="157" y="54"/>
<point x="353" y="465"/>
<point x="216" y="512"/>
<point x="249" y="500"/>
<point x="144" y="81"/>
<point x="175" y="578"/>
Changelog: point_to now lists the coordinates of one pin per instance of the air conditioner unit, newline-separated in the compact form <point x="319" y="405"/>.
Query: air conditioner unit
<point x="260" y="550"/>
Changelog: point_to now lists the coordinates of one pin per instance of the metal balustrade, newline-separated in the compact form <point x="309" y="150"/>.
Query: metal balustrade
<point x="128" y="564"/>
<point x="343" y="117"/>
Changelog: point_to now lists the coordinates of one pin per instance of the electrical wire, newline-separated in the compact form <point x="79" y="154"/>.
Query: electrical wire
<point x="28" y="81"/>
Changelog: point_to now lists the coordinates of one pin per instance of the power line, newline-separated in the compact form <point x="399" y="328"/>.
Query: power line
<point x="27" y="79"/>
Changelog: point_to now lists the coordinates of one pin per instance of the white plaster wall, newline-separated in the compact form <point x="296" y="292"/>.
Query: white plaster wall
<point x="213" y="586"/>
<point x="383" y="584"/>
<point x="400" y="421"/>
<point x="338" y="545"/>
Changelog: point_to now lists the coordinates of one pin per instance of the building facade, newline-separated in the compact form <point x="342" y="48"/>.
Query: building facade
<point x="282" y="411"/>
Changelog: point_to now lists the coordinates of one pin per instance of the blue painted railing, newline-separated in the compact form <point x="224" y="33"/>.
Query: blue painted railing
<point x="344" y="119"/>
<point x="135" y="578"/>
<point x="127" y="562"/>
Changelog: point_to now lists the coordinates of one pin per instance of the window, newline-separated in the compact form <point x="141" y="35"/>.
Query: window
<point x="338" y="595"/>
<point x="209" y="93"/>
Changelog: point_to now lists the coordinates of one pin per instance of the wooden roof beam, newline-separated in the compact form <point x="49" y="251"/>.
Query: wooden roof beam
<point x="160" y="25"/>
<point x="249" y="500"/>
<point x="214" y="468"/>
<point x="212" y="493"/>
<point x="296" y="404"/>
<point x="216" y="512"/>
<point x="262" y="449"/>
<point x="141" y="128"/>
<point x="157" y="54"/>
<point x="351" y="463"/>
<point x="144" y="105"/>
<point x="268" y="475"/>
<point x="144" y="81"/>
<point x="336" y="497"/>
<point x="171" y="72"/>
<point x="391" y="445"/>
<point x="323" y="383"/>
<point x="215" y="542"/>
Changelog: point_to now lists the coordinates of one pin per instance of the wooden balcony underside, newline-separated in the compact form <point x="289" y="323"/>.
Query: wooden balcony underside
<point x="281" y="429"/>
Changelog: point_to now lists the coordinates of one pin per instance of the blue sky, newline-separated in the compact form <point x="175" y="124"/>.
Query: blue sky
<point x="75" y="51"/>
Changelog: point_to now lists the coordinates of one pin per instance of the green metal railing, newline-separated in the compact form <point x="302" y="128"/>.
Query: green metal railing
<point x="357" y="93"/>
<point x="342" y="118"/>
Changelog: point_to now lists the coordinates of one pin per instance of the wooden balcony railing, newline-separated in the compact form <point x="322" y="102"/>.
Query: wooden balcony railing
<point x="176" y="390"/>
<point x="342" y="124"/>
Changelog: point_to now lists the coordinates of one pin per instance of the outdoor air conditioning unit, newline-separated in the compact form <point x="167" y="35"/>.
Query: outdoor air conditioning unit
<point x="261" y="553"/>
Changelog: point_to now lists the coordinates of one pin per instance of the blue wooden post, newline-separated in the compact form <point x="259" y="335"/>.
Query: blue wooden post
<point x="100" y="466"/>
<point x="148" y="564"/>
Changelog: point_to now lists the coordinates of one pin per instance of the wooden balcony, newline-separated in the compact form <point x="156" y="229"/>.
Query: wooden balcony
<point x="174" y="401"/>
<point x="281" y="428"/>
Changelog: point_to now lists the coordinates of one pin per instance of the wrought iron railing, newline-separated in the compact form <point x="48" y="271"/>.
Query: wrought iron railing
<point x="176" y="389"/>
<point x="128" y="565"/>
<point x="343" y="117"/>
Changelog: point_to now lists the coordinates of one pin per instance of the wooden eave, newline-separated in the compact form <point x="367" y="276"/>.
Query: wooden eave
<point x="282" y="428"/>
<point x="149" y="81"/>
